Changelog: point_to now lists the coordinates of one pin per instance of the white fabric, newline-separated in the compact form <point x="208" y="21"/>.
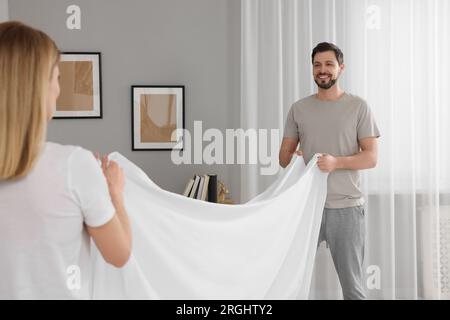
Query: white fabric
<point x="396" y="56"/>
<point x="42" y="220"/>
<point x="191" y="249"/>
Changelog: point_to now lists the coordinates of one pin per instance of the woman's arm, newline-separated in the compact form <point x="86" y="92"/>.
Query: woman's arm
<point x="113" y="239"/>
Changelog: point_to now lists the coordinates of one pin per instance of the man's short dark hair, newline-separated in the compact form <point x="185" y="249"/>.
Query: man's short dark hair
<point x="326" y="46"/>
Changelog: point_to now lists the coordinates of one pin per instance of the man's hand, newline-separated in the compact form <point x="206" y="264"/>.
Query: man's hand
<point x="327" y="163"/>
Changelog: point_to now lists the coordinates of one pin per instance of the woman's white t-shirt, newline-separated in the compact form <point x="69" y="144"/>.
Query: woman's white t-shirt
<point x="44" y="245"/>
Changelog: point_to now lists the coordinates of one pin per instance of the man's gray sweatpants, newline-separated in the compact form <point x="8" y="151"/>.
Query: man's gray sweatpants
<point x="344" y="232"/>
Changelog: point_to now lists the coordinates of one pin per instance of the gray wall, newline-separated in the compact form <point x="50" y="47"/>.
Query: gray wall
<point x="3" y="10"/>
<point x="195" y="43"/>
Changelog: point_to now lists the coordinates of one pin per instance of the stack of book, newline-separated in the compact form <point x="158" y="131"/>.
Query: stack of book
<point x="202" y="188"/>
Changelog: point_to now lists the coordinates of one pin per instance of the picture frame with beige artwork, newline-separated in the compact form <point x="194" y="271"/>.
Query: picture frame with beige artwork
<point x="81" y="86"/>
<point x="157" y="113"/>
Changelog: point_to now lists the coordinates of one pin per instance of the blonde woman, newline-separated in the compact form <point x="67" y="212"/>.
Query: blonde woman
<point x="53" y="198"/>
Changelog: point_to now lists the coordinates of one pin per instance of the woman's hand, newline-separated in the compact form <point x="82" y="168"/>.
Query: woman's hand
<point x="114" y="177"/>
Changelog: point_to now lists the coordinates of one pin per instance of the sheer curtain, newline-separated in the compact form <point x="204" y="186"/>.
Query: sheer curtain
<point x="397" y="58"/>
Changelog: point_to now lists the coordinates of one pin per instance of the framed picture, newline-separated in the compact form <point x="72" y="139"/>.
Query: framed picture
<point x="157" y="111"/>
<point x="80" y="83"/>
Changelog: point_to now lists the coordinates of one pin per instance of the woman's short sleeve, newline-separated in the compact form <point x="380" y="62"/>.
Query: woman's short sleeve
<point x="89" y="188"/>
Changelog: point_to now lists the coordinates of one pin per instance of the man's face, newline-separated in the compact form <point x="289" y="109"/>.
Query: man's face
<point x="326" y="69"/>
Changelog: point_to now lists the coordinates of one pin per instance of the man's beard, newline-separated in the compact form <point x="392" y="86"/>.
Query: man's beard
<point x="327" y="85"/>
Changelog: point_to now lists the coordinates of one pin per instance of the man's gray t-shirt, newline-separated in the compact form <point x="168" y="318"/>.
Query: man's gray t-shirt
<point x="333" y="127"/>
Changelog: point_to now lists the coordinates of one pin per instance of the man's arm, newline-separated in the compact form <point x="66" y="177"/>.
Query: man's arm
<point x="287" y="150"/>
<point x="365" y="159"/>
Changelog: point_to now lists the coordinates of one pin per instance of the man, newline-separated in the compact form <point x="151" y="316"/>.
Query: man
<point x="341" y="127"/>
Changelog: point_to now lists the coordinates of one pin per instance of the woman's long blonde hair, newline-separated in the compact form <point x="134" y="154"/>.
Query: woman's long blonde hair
<point x="27" y="59"/>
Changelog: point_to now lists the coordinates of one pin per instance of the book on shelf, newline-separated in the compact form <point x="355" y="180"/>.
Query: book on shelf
<point x="194" y="187"/>
<point x="212" y="188"/>
<point x="205" y="188"/>
<point x="188" y="187"/>
<point x="202" y="188"/>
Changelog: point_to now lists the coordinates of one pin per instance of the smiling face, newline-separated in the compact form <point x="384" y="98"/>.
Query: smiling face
<point x="326" y="69"/>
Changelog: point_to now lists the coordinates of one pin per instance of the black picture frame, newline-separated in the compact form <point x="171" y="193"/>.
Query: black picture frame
<point x="136" y="92"/>
<point x="97" y="113"/>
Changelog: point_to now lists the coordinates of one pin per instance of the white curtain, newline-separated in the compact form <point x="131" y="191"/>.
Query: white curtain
<point x="397" y="58"/>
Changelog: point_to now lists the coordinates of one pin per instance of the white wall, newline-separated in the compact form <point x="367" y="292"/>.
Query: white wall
<point x="195" y="43"/>
<point x="4" y="10"/>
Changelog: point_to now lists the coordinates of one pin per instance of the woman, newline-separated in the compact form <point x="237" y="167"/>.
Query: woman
<point x="53" y="198"/>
